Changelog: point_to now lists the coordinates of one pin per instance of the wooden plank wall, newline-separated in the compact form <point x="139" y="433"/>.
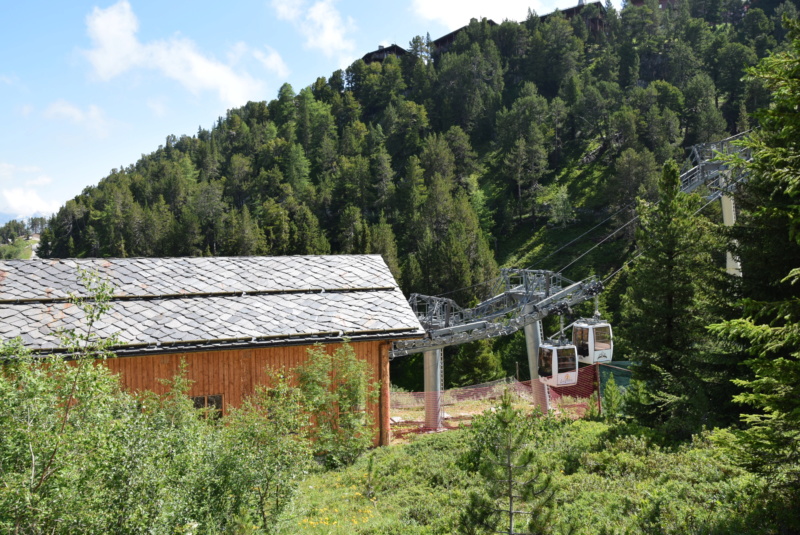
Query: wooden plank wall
<point x="235" y="373"/>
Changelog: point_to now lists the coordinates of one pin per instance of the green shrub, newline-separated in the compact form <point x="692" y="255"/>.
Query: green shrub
<point x="336" y="393"/>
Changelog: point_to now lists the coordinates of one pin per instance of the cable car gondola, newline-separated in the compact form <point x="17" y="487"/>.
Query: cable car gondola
<point x="558" y="361"/>
<point x="558" y="364"/>
<point x="593" y="338"/>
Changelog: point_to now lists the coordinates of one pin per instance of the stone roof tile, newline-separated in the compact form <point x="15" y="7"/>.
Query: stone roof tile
<point x="54" y="279"/>
<point x="180" y="319"/>
<point x="352" y="294"/>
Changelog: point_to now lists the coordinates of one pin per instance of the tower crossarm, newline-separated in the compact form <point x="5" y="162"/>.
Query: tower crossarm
<point x="446" y="324"/>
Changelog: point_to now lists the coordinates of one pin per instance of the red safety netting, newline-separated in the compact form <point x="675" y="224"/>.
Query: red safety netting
<point x="452" y="396"/>
<point x="574" y="400"/>
<point x="419" y="412"/>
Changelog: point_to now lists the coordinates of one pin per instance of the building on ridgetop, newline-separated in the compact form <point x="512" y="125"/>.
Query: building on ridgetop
<point x="383" y="52"/>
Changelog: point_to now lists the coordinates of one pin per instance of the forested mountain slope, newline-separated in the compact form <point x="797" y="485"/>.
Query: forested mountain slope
<point x="446" y="161"/>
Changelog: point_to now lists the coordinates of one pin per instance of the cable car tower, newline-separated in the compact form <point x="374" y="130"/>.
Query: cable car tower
<point x="522" y="298"/>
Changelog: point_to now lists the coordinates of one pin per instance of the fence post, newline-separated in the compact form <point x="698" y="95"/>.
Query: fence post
<point x="599" y="389"/>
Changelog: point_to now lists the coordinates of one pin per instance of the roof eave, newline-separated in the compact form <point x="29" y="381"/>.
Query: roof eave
<point x="198" y="346"/>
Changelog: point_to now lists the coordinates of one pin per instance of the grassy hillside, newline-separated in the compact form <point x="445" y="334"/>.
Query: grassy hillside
<point x="608" y="478"/>
<point x="20" y="249"/>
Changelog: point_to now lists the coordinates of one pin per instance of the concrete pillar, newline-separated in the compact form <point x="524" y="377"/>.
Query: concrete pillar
<point x="433" y="388"/>
<point x="732" y="266"/>
<point x="533" y="337"/>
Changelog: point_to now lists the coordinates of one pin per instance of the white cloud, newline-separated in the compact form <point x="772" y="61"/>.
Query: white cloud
<point x="13" y="81"/>
<point x="289" y="9"/>
<point x="11" y="171"/>
<point x="323" y="27"/>
<point x="61" y="109"/>
<point x="117" y="49"/>
<point x="41" y="180"/>
<point x="457" y="13"/>
<point x="25" y="203"/>
<point x="30" y="175"/>
<point x="272" y="61"/>
<point x="237" y="52"/>
<point x="113" y="32"/>
<point x="92" y="118"/>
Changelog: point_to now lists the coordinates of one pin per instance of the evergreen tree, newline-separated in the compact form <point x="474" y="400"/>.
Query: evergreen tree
<point x="770" y="326"/>
<point x="472" y="363"/>
<point x="666" y="308"/>
<point x="45" y="247"/>
<point x="382" y="242"/>
<point x="516" y="488"/>
<point x="636" y="175"/>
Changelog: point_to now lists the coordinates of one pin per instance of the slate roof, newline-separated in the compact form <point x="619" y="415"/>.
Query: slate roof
<point x="171" y="304"/>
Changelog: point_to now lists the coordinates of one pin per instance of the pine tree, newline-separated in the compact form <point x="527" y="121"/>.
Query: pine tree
<point x="770" y="326"/>
<point x="382" y="242"/>
<point x="516" y="489"/>
<point x="665" y="309"/>
<point x="45" y="247"/>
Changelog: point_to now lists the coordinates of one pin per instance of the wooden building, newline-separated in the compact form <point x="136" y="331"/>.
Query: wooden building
<point x="594" y="23"/>
<point x="383" y="52"/>
<point x="442" y="44"/>
<point x="228" y="318"/>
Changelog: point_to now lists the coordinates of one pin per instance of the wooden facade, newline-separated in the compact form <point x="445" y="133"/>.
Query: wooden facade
<point x="235" y="373"/>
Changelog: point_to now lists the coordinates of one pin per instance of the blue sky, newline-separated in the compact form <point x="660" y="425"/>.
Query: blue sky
<point x="86" y="87"/>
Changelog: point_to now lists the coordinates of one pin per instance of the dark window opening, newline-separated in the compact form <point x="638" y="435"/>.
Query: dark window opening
<point x="212" y="402"/>
<point x="545" y="361"/>
<point x="580" y="337"/>
<point x="567" y="360"/>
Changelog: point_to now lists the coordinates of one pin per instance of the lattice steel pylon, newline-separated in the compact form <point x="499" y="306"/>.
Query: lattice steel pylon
<point x="508" y="311"/>
<point x="709" y="169"/>
<point x="712" y="169"/>
<point x="521" y="298"/>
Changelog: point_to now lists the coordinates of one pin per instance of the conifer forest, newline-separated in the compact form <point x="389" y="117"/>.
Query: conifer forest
<point x="554" y="143"/>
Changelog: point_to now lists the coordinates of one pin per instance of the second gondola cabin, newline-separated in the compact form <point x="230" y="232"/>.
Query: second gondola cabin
<point x="558" y="364"/>
<point x="593" y="339"/>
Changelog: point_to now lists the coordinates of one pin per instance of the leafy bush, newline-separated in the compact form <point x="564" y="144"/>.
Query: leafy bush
<point x="336" y="392"/>
<point x="79" y="455"/>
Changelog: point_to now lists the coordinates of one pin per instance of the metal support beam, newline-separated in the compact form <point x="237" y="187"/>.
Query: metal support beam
<point x="433" y="388"/>
<point x="500" y="315"/>
<point x="533" y="338"/>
